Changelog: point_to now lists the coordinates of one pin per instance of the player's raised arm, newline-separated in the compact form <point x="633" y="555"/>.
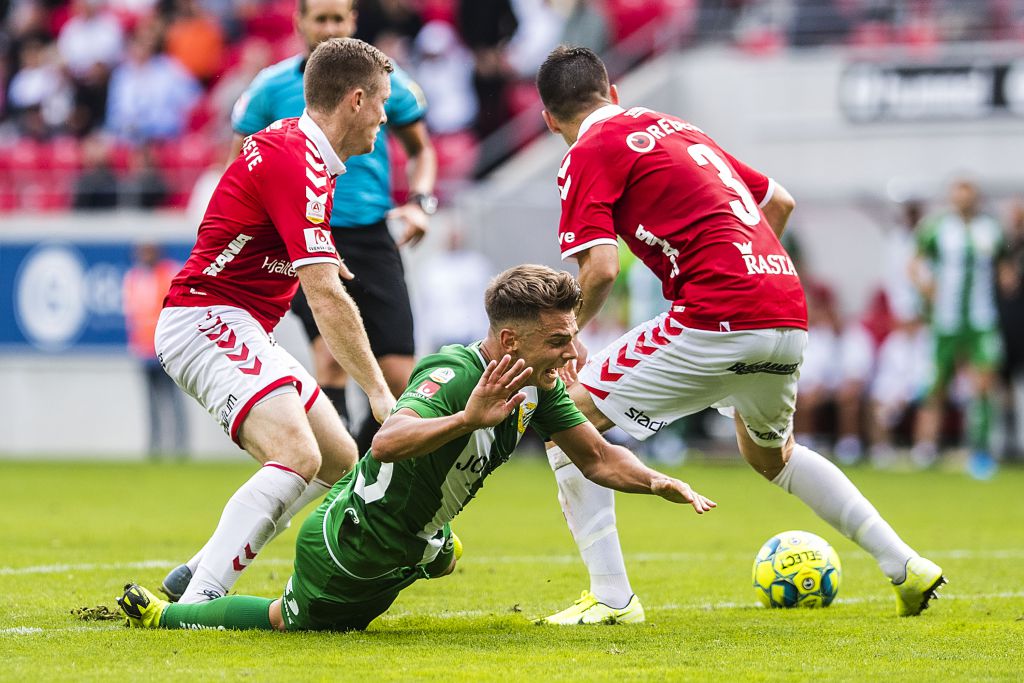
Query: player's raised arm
<point x="617" y="468"/>
<point x="599" y="266"/>
<point x="342" y="328"/>
<point x="407" y="435"/>
<point x="778" y="209"/>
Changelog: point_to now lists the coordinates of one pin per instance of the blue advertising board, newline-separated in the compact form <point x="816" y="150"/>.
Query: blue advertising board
<point x="61" y="296"/>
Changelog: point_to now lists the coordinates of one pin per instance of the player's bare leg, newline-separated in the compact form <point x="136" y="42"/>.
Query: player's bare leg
<point x="277" y="434"/>
<point x="833" y="497"/>
<point x="338" y="451"/>
<point x="331" y="377"/>
<point x="589" y="511"/>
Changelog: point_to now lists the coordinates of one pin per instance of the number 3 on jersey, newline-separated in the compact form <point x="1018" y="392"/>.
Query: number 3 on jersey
<point x="745" y="208"/>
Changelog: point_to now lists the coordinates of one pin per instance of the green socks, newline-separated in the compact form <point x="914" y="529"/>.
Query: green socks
<point x="242" y="612"/>
<point x="979" y="422"/>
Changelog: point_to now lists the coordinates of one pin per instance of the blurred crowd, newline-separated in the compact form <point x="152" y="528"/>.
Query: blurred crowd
<point x="123" y="102"/>
<point x="930" y="372"/>
<point x="933" y="365"/>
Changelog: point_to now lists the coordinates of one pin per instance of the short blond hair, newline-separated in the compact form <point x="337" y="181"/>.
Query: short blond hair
<point x="337" y="67"/>
<point x="523" y="292"/>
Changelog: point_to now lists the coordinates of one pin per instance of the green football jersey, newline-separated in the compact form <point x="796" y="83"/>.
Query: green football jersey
<point x="963" y="259"/>
<point x="394" y="514"/>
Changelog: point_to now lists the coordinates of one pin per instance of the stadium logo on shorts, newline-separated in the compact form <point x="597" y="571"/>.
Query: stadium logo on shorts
<point x="765" y="367"/>
<point x="642" y="419"/>
<point x="765" y="436"/>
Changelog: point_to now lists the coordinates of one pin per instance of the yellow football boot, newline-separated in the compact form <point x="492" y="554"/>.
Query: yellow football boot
<point x="923" y="579"/>
<point x="587" y="610"/>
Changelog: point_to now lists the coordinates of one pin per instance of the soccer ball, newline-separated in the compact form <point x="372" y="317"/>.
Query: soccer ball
<point x="796" y="569"/>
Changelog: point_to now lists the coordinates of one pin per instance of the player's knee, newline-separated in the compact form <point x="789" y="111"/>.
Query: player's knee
<point x="304" y="460"/>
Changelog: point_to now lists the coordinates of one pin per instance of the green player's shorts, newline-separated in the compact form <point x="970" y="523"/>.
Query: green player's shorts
<point x="981" y="349"/>
<point x="322" y="595"/>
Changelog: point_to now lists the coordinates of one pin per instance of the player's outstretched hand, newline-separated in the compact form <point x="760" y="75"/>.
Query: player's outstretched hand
<point x="680" y="492"/>
<point x="570" y="372"/>
<point x="415" y="221"/>
<point x="496" y="394"/>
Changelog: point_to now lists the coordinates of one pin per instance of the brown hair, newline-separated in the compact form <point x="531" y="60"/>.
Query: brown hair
<point x="337" y="67"/>
<point x="570" y="80"/>
<point x="521" y="293"/>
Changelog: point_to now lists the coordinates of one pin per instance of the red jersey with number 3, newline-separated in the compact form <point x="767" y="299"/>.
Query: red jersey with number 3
<point x="688" y="210"/>
<point x="269" y="215"/>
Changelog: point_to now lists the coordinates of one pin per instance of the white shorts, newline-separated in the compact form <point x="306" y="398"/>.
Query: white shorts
<point x="223" y="358"/>
<point x="661" y="371"/>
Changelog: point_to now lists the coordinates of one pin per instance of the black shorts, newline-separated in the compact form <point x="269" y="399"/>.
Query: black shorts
<point x="378" y="289"/>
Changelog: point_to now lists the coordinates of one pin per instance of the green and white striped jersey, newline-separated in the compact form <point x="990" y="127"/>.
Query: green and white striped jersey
<point x="963" y="258"/>
<point x="393" y="514"/>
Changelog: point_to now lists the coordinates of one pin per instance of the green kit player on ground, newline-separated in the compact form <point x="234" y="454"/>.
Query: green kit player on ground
<point x="386" y="523"/>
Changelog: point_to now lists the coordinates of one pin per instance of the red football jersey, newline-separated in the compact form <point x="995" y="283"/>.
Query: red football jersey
<point x="688" y="210"/>
<point x="269" y="215"/>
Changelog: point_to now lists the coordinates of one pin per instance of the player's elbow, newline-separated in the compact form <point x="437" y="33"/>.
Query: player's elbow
<point x="383" y="447"/>
<point x="783" y="200"/>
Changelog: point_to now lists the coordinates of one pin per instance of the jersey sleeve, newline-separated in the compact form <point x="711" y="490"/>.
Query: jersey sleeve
<point x="252" y="111"/>
<point x="439" y="386"/>
<point x="589" y="184"/>
<point x="296" y="192"/>
<point x="407" y="103"/>
<point x="761" y="186"/>
<point x="556" y="412"/>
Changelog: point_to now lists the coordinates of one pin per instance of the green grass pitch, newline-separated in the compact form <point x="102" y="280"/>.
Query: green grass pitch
<point x="72" y="534"/>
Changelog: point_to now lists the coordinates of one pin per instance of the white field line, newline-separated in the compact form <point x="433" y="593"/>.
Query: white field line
<point x="995" y="554"/>
<point x="462" y="614"/>
<point x="710" y="606"/>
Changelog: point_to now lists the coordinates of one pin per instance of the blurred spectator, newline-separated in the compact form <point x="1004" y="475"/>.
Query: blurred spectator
<point x="585" y="24"/>
<point x="38" y="90"/>
<point x="449" y="286"/>
<point x="955" y="271"/>
<point x="443" y="67"/>
<point x="1011" y="324"/>
<point x="486" y="27"/>
<point x="151" y="94"/>
<point x="900" y="247"/>
<point x="538" y="32"/>
<point x="145" y="186"/>
<point x="145" y="285"/>
<point x="92" y="36"/>
<point x="391" y="25"/>
<point x="837" y="366"/>
<point x="96" y="187"/>
<point x="819" y="376"/>
<point x="901" y="382"/>
<point x="256" y="55"/>
<point x="90" y="100"/>
<point x="195" y="39"/>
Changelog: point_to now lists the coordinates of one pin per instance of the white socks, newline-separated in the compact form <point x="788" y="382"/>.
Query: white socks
<point x="834" y="498"/>
<point x="315" y="490"/>
<point x="246" y="525"/>
<point x="589" y="510"/>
